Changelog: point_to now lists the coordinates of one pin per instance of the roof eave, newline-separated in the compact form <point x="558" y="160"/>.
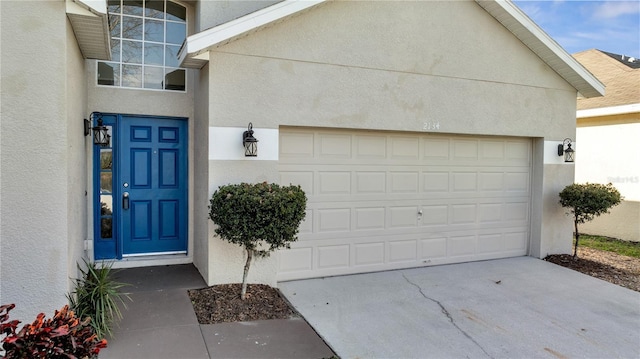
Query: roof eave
<point x="90" y="25"/>
<point x="192" y="49"/>
<point x="527" y="31"/>
<point x="504" y="11"/>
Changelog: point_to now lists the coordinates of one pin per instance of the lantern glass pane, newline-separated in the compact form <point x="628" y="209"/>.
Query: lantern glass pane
<point x="569" y="156"/>
<point x="250" y="149"/>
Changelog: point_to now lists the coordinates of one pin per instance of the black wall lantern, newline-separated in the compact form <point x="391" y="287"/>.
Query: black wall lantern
<point x="565" y="150"/>
<point x="101" y="136"/>
<point x="250" y="143"/>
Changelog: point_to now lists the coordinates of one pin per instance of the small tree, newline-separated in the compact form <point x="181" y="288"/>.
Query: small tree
<point x="259" y="217"/>
<point x="587" y="201"/>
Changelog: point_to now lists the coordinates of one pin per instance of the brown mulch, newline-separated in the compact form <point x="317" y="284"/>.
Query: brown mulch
<point x="222" y="304"/>
<point x="611" y="267"/>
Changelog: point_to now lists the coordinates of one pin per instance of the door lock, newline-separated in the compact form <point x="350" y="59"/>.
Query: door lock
<point x="125" y="200"/>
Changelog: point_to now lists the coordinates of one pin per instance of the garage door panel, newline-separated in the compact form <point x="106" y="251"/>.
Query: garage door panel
<point x="370" y="218"/>
<point x="518" y="152"/>
<point x="465" y="150"/>
<point x="332" y="257"/>
<point x="436" y="149"/>
<point x="404" y="148"/>
<point x="434" y="215"/>
<point x="381" y="201"/>
<point x="464" y="181"/>
<point x="403" y="251"/>
<point x="517" y="182"/>
<point x="463" y="213"/>
<point x="462" y="246"/>
<point x="296" y="260"/>
<point x="296" y="145"/>
<point x="490" y="212"/>
<point x="333" y="219"/>
<point x="403" y="216"/>
<point x="492" y="150"/>
<point x="366" y="254"/>
<point x="368" y="182"/>
<point x="435" y="182"/>
<point x="334" y="146"/>
<point x="370" y="147"/>
<point x="433" y="248"/>
<point x="491" y="181"/>
<point x="403" y="182"/>
<point x="333" y="182"/>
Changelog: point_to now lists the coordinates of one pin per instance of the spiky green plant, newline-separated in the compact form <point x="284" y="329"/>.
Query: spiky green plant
<point x="97" y="295"/>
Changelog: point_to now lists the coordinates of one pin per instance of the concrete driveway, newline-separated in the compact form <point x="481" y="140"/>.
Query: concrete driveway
<point x="510" y="308"/>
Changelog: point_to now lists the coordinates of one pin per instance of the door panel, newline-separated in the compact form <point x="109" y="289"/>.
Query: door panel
<point x="153" y="176"/>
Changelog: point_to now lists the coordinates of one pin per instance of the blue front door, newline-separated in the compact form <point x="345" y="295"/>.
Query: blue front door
<point x="149" y="196"/>
<point x="153" y="183"/>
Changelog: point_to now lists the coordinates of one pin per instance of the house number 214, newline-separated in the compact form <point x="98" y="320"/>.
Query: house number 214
<point x="430" y="126"/>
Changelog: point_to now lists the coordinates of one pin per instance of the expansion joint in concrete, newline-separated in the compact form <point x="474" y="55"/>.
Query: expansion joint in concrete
<point x="448" y="315"/>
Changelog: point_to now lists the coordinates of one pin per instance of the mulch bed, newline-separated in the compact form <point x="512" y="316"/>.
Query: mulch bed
<point x="222" y="304"/>
<point x="613" y="268"/>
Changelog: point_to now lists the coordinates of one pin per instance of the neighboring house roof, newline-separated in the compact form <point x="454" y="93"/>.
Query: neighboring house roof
<point x="621" y="77"/>
<point x="194" y="52"/>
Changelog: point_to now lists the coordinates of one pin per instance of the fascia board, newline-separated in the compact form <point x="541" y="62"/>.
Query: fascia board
<point x="609" y="111"/>
<point x="544" y="46"/>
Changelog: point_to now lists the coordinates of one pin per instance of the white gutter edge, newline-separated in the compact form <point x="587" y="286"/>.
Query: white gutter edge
<point x="97" y="7"/>
<point x="608" y="111"/>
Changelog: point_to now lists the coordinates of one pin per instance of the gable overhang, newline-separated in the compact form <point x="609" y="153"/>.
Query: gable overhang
<point x="527" y="31"/>
<point x="194" y="51"/>
<point x="90" y="25"/>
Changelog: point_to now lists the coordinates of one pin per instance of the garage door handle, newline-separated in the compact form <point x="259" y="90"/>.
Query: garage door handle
<point x="420" y="213"/>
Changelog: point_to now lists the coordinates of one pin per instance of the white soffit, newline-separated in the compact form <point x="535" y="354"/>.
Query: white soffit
<point x="201" y="42"/>
<point x="516" y="21"/>
<point x="90" y="25"/>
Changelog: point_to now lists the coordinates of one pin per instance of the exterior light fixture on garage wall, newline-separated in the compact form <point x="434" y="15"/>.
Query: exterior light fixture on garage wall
<point x="250" y="143"/>
<point x="101" y="136"/>
<point x="565" y="150"/>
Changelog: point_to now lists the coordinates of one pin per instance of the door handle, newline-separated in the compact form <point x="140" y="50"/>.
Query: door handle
<point x="125" y="200"/>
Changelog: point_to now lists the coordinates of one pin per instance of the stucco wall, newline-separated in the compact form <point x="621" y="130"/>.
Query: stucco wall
<point x="77" y="145"/>
<point x="394" y="66"/>
<point x="611" y="154"/>
<point x="215" y="12"/>
<point x="201" y="163"/>
<point x="35" y="157"/>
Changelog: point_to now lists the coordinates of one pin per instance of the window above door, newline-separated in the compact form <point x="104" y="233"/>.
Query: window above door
<point x="145" y="38"/>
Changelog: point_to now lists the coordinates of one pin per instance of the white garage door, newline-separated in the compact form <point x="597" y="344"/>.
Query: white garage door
<point x="385" y="200"/>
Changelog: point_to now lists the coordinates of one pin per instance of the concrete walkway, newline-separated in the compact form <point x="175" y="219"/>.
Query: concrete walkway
<point x="160" y="323"/>
<point x="512" y="308"/>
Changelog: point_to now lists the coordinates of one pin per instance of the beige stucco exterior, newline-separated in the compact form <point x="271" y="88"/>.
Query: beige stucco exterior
<point x="385" y="66"/>
<point x="351" y="65"/>
<point x="43" y="212"/>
